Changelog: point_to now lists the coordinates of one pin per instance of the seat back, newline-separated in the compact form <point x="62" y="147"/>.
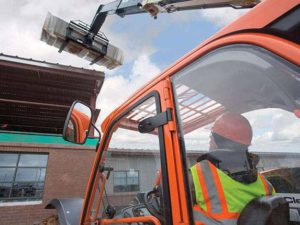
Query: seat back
<point x="268" y="210"/>
<point x="236" y="163"/>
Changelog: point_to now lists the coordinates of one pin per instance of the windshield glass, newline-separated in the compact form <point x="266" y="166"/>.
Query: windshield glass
<point x="239" y="99"/>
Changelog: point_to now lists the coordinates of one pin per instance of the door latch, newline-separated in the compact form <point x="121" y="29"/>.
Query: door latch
<point x="149" y="124"/>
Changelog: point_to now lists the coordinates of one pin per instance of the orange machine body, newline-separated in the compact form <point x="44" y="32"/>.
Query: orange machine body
<point x="249" y="29"/>
<point x="81" y="123"/>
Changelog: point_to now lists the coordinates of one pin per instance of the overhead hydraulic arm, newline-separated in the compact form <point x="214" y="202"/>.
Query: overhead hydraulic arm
<point x="89" y="43"/>
<point x="128" y="7"/>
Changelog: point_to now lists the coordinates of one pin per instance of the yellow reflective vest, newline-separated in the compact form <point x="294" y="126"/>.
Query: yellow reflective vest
<point x="220" y="199"/>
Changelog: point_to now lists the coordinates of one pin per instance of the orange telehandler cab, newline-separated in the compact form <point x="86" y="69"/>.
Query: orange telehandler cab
<point x="250" y="67"/>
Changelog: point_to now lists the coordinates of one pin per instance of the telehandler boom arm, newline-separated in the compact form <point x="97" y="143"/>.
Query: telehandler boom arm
<point x="89" y="43"/>
<point x="128" y="7"/>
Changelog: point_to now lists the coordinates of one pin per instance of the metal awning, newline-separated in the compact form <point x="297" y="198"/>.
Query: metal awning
<point x="35" y="96"/>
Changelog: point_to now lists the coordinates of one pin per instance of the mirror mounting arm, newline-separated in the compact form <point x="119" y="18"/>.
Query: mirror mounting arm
<point x="98" y="143"/>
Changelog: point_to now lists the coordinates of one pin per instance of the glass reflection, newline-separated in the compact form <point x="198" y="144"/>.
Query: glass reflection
<point x="5" y="190"/>
<point x="27" y="190"/>
<point x="78" y="123"/>
<point x="22" y="176"/>
<point x="8" y="159"/>
<point x="29" y="160"/>
<point x="32" y="174"/>
<point x="6" y="174"/>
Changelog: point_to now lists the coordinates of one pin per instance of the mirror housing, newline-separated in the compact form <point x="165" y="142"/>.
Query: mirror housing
<point x="78" y="123"/>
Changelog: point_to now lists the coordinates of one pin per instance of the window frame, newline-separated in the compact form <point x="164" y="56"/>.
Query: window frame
<point x="14" y="181"/>
<point x="104" y="144"/>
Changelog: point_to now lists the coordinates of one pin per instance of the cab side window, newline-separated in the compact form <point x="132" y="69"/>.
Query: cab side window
<point x="136" y="162"/>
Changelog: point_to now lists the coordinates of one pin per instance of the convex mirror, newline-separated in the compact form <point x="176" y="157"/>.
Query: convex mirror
<point x="78" y="123"/>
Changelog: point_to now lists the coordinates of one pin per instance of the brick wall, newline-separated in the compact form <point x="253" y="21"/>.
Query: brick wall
<point x="67" y="175"/>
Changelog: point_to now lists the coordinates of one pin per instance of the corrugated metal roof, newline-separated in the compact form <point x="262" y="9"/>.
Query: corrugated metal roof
<point x="49" y="65"/>
<point x="35" y="96"/>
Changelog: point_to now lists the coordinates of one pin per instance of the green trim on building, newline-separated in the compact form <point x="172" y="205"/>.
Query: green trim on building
<point x="33" y="138"/>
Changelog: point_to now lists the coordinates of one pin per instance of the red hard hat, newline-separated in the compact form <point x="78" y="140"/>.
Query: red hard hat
<point x="234" y="127"/>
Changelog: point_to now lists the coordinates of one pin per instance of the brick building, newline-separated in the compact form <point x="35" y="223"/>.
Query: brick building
<point x="36" y="164"/>
<point x="67" y="170"/>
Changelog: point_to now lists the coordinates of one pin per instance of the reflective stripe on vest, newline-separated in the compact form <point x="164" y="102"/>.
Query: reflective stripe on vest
<point x="202" y="218"/>
<point x="268" y="187"/>
<point x="216" y="194"/>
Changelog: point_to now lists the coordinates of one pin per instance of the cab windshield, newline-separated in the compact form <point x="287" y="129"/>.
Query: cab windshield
<point x="253" y="82"/>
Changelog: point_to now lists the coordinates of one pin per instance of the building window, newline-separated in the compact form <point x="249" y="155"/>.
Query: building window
<point x="126" y="181"/>
<point x="22" y="176"/>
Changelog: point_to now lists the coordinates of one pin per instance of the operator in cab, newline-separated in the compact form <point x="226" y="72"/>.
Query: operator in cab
<point x="225" y="179"/>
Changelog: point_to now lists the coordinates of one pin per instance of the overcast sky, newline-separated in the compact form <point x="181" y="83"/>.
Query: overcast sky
<point x="149" y="45"/>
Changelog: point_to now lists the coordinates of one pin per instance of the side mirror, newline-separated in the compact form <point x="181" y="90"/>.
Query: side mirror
<point x="78" y="123"/>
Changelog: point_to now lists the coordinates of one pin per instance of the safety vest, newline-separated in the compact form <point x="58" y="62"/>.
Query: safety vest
<point x="220" y="199"/>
